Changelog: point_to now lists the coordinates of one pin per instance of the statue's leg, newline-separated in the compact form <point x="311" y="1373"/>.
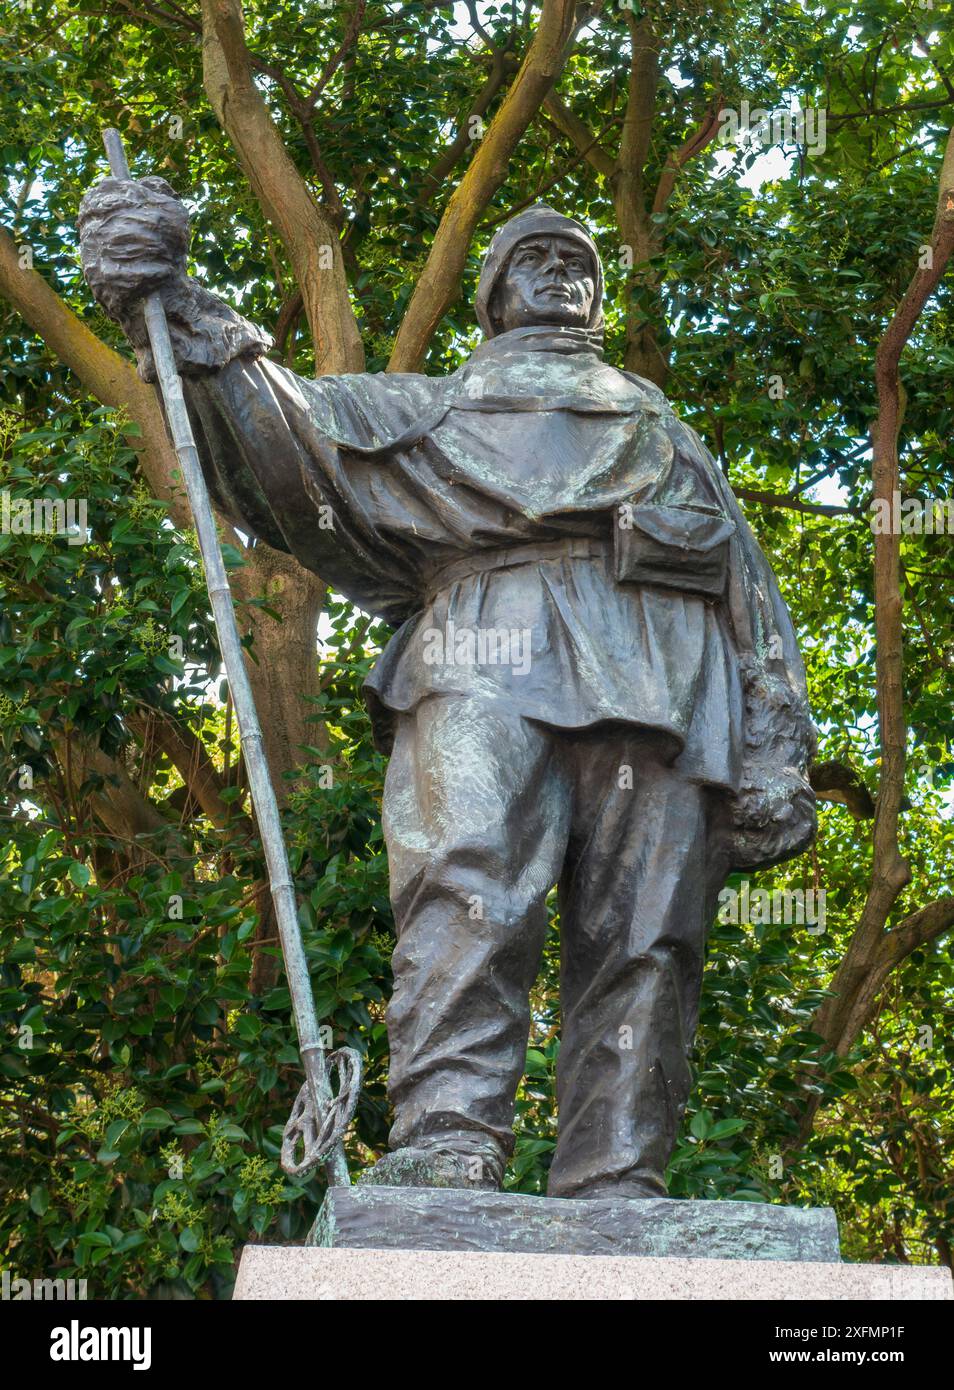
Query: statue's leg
<point x="476" y="819"/>
<point x="637" y="896"/>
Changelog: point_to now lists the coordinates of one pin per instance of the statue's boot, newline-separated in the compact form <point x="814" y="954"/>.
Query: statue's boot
<point x="480" y="1169"/>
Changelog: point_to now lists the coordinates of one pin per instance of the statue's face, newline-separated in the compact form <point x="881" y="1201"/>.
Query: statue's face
<point x="548" y="280"/>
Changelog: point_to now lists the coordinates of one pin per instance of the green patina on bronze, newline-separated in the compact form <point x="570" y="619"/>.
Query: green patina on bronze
<point x="431" y="1218"/>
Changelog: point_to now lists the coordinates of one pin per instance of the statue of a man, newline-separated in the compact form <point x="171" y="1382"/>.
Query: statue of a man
<point x="594" y="681"/>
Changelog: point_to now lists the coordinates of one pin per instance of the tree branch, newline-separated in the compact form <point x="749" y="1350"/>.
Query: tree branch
<point x="834" y="781"/>
<point x="106" y="375"/>
<point x="890" y="871"/>
<point x="334" y="62"/>
<point x="120" y="806"/>
<point x="188" y="755"/>
<point x="872" y="952"/>
<point x="439" y="170"/>
<point x="795" y="504"/>
<point x="637" y="231"/>
<point x="922" y="926"/>
<point x="576" y="130"/>
<point x="439" y="284"/>
<point x="701" y="138"/>
<point x="306" y="232"/>
<point x="637" y="133"/>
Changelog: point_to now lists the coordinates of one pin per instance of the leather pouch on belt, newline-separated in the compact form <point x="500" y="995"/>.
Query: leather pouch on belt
<point x="676" y="547"/>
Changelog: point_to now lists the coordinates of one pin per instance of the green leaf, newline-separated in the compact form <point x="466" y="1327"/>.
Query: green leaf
<point x="722" y="1129"/>
<point x="80" y="873"/>
<point x="156" y="1118"/>
<point x="191" y="1238"/>
<point x="233" y="1132"/>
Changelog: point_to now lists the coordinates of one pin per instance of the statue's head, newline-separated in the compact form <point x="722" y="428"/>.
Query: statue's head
<point x="542" y="270"/>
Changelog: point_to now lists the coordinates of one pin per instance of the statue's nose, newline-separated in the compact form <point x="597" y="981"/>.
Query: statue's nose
<point x="554" y="262"/>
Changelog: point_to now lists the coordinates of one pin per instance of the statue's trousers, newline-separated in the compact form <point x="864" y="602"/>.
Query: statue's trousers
<point x="484" y="812"/>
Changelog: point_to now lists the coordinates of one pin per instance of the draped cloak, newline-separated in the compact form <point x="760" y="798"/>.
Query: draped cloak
<point x="498" y="498"/>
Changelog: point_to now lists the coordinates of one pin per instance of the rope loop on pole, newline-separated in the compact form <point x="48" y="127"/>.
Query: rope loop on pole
<point x="318" y="1130"/>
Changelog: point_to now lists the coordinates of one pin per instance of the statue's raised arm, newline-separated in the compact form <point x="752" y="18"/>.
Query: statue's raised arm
<point x="270" y="441"/>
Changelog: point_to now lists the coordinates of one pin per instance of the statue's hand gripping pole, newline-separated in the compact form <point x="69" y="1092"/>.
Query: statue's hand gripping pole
<point x="319" y="1118"/>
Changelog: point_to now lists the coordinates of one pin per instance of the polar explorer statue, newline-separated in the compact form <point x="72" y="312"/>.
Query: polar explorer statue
<point x="593" y="681"/>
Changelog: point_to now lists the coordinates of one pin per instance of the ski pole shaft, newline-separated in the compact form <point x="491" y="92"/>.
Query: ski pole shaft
<point x="259" y="778"/>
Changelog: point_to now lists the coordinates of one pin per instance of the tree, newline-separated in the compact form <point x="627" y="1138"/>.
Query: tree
<point x="345" y="166"/>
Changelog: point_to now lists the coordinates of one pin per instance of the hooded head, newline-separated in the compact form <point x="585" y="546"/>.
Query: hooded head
<point x="537" y="222"/>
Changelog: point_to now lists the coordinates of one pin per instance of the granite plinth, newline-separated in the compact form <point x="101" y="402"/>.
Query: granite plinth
<point x="271" y="1272"/>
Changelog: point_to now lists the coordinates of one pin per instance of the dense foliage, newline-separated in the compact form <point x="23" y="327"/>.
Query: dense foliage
<point x="147" y="1060"/>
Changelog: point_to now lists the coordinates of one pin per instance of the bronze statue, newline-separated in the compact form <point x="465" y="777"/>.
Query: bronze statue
<point x="593" y="681"/>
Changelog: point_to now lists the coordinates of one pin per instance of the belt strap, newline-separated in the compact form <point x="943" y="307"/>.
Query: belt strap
<point x="508" y="556"/>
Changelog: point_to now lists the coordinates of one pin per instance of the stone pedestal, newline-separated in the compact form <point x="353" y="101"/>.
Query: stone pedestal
<point x="409" y="1243"/>
<point x="431" y="1218"/>
<point x="310" y="1272"/>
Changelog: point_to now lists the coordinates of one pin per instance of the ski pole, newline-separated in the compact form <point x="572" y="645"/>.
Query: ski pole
<point x="319" y="1118"/>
